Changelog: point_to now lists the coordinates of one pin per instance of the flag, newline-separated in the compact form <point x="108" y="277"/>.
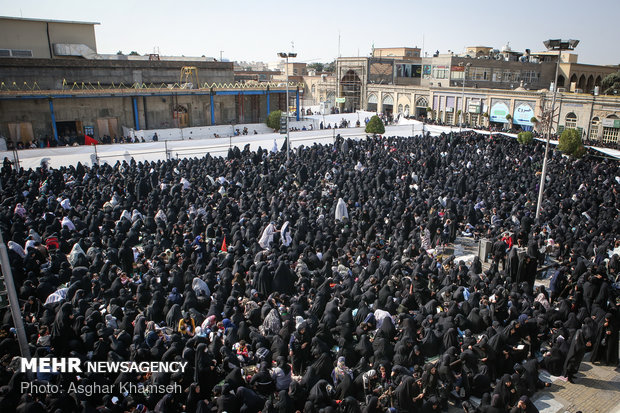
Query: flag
<point x="224" y="248"/>
<point x="89" y="140"/>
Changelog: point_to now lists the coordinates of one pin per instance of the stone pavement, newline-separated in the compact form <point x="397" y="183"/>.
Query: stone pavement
<point x="596" y="388"/>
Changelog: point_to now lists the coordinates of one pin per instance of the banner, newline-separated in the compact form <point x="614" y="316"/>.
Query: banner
<point x="499" y="110"/>
<point x="524" y="111"/>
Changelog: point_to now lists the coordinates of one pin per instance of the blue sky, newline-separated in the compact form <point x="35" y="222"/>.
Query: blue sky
<point x="256" y="30"/>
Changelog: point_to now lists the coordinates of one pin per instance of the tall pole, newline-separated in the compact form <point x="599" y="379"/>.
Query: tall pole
<point x="16" y="313"/>
<point x="543" y="176"/>
<point x="462" y="101"/>
<point x="288" y="138"/>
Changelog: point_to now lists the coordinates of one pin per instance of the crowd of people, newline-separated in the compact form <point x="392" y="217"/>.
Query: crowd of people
<point x="316" y="285"/>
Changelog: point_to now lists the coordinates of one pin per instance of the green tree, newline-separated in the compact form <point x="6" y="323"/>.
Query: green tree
<point x="611" y="84"/>
<point x="330" y="67"/>
<point x="273" y="120"/>
<point x="316" y="66"/>
<point x="375" y="126"/>
<point x="525" y="138"/>
<point x="571" y="144"/>
<point x="134" y="53"/>
<point x="120" y="53"/>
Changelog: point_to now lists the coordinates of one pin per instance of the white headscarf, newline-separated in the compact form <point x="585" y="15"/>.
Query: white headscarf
<point x="285" y="234"/>
<point x="267" y="236"/>
<point x="66" y="203"/>
<point x="341" y="210"/>
<point x="14" y="246"/>
<point x="66" y="222"/>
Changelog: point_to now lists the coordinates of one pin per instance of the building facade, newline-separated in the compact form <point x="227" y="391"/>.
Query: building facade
<point x="54" y="83"/>
<point x="502" y="89"/>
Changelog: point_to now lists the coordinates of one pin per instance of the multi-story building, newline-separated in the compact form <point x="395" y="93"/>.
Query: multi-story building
<point x="53" y="82"/>
<point x="484" y="86"/>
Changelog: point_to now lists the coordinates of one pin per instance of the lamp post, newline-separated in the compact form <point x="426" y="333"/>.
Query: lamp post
<point x="559" y="45"/>
<point x="465" y="66"/>
<point x="288" y="140"/>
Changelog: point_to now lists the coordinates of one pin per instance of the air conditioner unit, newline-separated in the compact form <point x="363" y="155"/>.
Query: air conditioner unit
<point x="578" y="90"/>
<point x="561" y="89"/>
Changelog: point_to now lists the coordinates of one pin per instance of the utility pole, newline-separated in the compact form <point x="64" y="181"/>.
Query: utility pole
<point x="221" y="52"/>
<point x="284" y="55"/>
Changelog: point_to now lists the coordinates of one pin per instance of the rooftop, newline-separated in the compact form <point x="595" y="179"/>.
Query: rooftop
<point x="46" y="20"/>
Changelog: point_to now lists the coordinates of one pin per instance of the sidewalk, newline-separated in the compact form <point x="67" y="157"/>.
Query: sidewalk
<point x="596" y="388"/>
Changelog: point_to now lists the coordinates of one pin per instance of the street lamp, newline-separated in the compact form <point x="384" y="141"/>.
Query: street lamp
<point x="284" y="55"/>
<point x="465" y="66"/>
<point x="559" y="45"/>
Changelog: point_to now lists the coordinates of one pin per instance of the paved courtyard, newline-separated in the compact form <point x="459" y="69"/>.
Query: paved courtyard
<point x="596" y="388"/>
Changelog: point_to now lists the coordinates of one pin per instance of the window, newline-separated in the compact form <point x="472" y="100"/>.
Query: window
<point x="610" y="135"/>
<point x="511" y="76"/>
<point x="449" y="117"/>
<point x="478" y="73"/>
<point x="457" y="75"/>
<point x="594" y="129"/>
<point x="15" y="53"/>
<point x="21" y="53"/>
<point x="400" y="108"/>
<point x="440" y="72"/>
<point x="313" y="89"/>
<point x="570" y="121"/>
<point x="530" y="76"/>
<point x="406" y="110"/>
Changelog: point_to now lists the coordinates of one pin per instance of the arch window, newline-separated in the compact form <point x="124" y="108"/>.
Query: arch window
<point x="570" y="122"/>
<point x="594" y="125"/>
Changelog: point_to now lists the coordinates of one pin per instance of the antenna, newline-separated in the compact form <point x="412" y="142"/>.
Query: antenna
<point x="292" y="46"/>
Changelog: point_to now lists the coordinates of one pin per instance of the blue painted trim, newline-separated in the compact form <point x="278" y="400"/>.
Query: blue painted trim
<point x="268" y="105"/>
<point x="135" y="113"/>
<point x="53" y="120"/>
<point x="297" y="105"/>
<point x="111" y="95"/>
<point x="212" y="111"/>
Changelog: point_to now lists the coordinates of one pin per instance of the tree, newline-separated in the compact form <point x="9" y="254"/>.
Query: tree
<point x="525" y="138"/>
<point x="571" y="144"/>
<point x="316" y="66"/>
<point x="611" y="84"/>
<point x="273" y="120"/>
<point x="330" y="67"/>
<point x="120" y="53"/>
<point x="134" y="53"/>
<point x="375" y="126"/>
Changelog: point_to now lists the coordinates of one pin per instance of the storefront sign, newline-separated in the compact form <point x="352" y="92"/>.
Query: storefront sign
<point x="611" y="123"/>
<point x="474" y="107"/>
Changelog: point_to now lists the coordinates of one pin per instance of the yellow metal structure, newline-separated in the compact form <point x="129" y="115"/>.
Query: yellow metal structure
<point x="189" y="77"/>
